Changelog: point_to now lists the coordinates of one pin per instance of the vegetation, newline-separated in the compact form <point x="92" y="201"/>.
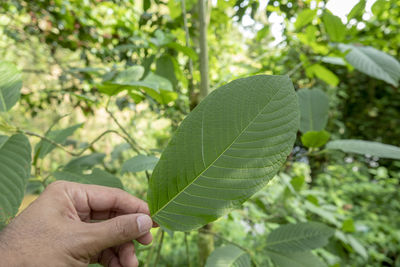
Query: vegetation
<point x="251" y="148"/>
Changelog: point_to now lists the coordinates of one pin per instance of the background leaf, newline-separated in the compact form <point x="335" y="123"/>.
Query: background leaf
<point x="228" y="256"/>
<point x="98" y="177"/>
<point x="314" y="107"/>
<point x="15" y="166"/>
<point x="85" y="162"/>
<point x="298" y="259"/>
<point x="315" y="139"/>
<point x="373" y="62"/>
<point x="366" y="148"/>
<point x="59" y="136"/>
<point x="304" y="18"/>
<point x="224" y="151"/>
<point x="139" y="163"/>
<point x="10" y="85"/>
<point x="334" y="27"/>
<point x="299" y="237"/>
<point x="322" y="73"/>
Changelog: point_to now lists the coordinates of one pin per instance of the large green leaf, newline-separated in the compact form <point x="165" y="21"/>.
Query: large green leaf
<point x="334" y="27"/>
<point x="59" y="136"/>
<point x="139" y="163"/>
<point x="225" y="150"/>
<point x="3" y="139"/>
<point x="10" y="85"/>
<point x="314" y="108"/>
<point x="373" y="62"/>
<point x="299" y="237"/>
<point x="15" y="165"/>
<point x="297" y="259"/>
<point x="97" y="177"/>
<point x="228" y="256"/>
<point x="366" y="148"/>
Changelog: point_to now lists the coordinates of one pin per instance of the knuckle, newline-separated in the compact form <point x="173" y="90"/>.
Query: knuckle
<point x="56" y="185"/>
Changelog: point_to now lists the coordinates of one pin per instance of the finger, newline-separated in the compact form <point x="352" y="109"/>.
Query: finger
<point x="97" y="198"/>
<point x="118" y="230"/>
<point x="109" y="259"/>
<point x="127" y="255"/>
<point x="145" y="239"/>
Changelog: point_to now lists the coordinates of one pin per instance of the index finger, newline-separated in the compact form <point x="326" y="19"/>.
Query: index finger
<point x="101" y="199"/>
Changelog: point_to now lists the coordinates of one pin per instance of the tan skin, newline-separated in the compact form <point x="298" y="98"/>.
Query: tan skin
<point x="58" y="229"/>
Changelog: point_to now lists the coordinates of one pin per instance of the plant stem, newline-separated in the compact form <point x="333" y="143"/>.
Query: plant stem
<point x="231" y="242"/>
<point x="133" y="143"/>
<point x="159" y="248"/>
<point x="204" y="83"/>
<point x="187" y="42"/>
<point x="187" y="250"/>
<point x="74" y="154"/>
<point x="150" y="255"/>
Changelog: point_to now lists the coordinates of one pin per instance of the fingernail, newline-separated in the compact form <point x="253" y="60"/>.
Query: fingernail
<point x="144" y="223"/>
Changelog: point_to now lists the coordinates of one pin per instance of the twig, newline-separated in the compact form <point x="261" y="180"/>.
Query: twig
<point x="187" y="250"/>
<point x="133" y="143"/>
<point x="150" y="255"/>
<point x="159" y="248"/>
<point x="75" y="154"/>
<point x="292" y="71"/>
<point x="231" y="242"/>
<point x="187" y="42"/>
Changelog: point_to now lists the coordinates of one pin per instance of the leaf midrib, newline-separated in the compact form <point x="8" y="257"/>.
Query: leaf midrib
<point x="194" y="180"/>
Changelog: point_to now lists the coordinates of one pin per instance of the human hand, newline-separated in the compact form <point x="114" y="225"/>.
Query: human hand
<point x="56" y="229"/>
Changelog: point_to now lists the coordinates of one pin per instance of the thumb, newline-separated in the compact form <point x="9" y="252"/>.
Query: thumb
<point x="119" y="230"/>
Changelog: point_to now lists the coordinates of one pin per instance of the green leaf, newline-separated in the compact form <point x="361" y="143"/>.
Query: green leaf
<point x="98" y="177"/>
<point x="165" y="68"/>
<point x="59" y="136"/>
<point x="159" y="88"/>
<point x="228" y="256"/>
<point x="298" y="259"/>
<point x="139" y="163"/>
<point x="299" y="237"/>
<point x="10" y="85"/>
<point x="304" y="18"/>
<point x="184" y="49"/>
<point x="366" y="148"/>
<point x="224" y="151"/>
<point x="373" y="62"/>
<point x="315" y="139"/>
<point x="3" y="140"/>
<point x="379" y="7"/>
<point x="334" y="27"/>
<point x="352" y="242"/>
<point x="357" y="10"/>
<point x="314" y="108"/>
<point x="131" y="74"/>
<point x="348" y="226"/>
<point x="322" y="73"/>
<point x="15" y="166"/>
<point x="84" y="162"/>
